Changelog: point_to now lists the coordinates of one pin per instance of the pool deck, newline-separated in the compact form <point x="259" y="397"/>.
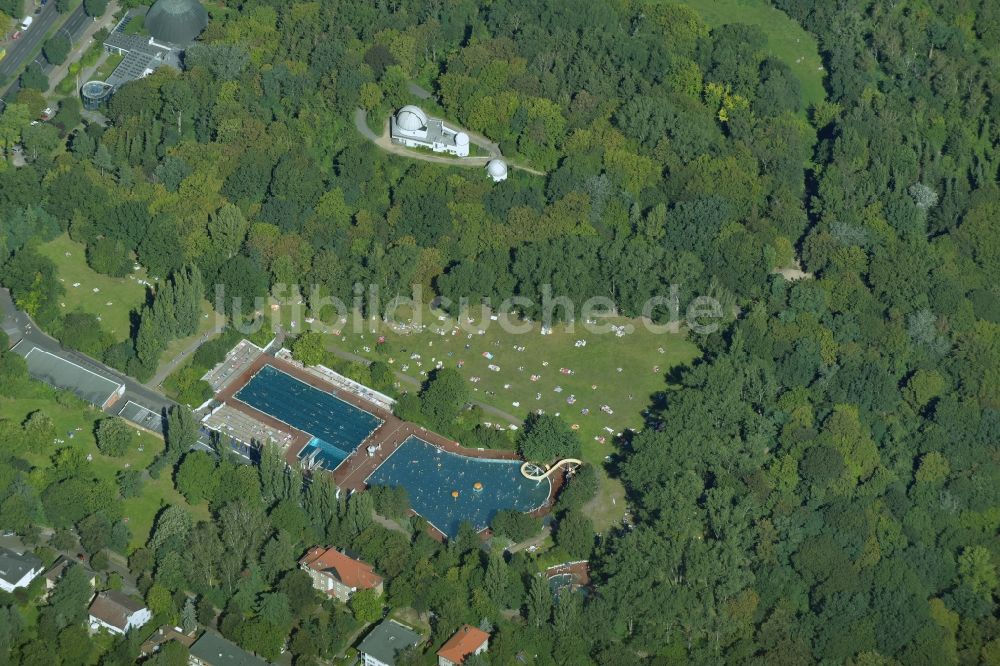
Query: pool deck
<point x="358" y="466"/>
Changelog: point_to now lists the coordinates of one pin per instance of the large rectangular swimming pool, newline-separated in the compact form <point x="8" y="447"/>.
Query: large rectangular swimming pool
<point x="338" y="427"/>
<point x="432" y="478"/>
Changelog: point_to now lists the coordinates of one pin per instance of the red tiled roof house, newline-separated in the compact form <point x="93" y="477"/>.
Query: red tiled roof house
<point x="337" y="574"/>
<point x="467" y="640"/>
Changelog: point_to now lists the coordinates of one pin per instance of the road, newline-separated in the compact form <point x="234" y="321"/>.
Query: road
<point x="20" y="328"/>
<point x="19" y="52"/>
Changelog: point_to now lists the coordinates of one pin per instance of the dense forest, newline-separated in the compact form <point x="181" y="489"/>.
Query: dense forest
<point x="823" y="485"/>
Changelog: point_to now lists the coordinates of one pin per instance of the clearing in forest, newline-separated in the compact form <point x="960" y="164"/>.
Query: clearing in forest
<point x="786" y="39"/>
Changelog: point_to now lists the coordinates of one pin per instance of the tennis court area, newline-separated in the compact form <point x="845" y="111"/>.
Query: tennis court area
<point x="447" y="488"/>
<point x="330" y="420"/>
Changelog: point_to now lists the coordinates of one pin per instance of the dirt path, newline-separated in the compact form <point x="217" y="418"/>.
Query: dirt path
<point x="386" y="144"/>
<point x="793" y="273"/>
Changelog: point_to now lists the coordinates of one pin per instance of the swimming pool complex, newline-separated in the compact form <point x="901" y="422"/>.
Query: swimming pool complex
<point x="432" y="478"/>
<point x="337" y="427"/>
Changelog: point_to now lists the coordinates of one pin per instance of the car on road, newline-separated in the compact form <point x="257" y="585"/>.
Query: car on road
<point x="26" y="23"/>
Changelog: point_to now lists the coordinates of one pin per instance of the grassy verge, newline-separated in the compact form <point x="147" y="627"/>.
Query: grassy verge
<point x="786" y="39"/>
<point x="104" y="71"/>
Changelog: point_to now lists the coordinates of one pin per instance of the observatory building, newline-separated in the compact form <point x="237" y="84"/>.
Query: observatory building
<point x="411" y="127"/>
<point x="169" y="26"/>
<point x="497" y="169"/>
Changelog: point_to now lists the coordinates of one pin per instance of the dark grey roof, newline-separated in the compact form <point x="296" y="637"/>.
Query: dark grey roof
<point x="176" y="21"/>
<point x="141" y="53"/>
<point x="213" y="649"/>
<point x="13" y="566"/>
<point x="385" y="641"/>
<point x="57" y="371"/>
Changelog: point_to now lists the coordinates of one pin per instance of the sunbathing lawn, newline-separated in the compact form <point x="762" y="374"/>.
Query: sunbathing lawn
<point x="786" y="39"/>
<point x="644" y="358"/>
<point x="123" y="294"/>
<point x="80" y="419"/>
<point x="114" y="299"/>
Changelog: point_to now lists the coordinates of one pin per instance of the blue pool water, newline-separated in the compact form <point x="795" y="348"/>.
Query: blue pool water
<point x="336" y="426"/>
<point x="327" y="455"/>
<point x="430" y="475"/>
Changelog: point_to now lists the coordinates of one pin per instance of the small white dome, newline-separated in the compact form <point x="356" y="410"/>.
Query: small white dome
<point x="497" y="170"/>
<point x="411" y="118"/>
<point x="461" y="139"/>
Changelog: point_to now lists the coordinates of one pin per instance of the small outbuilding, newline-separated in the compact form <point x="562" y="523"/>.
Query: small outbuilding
<point x="497" y="169"/>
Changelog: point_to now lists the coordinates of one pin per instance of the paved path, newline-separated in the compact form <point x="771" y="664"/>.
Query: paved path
<point x="386" y="144"/>
<point x="166" y="368"/>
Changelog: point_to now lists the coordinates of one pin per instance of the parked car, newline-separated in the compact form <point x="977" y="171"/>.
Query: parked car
<point x="26" y="23"/>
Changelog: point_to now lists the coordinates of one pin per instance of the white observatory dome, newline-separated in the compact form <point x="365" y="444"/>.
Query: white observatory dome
<point x="411" y="118"/>
<point x="461" y="139"/>
<point x="497" y="169"/>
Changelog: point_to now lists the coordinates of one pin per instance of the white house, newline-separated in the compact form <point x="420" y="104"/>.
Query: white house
<point x="17" y="569"/>
<point x="117" y="612"/>
<point x="411" y="127"/>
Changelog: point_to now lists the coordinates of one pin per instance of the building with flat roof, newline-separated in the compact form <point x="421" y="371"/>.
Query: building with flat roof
<point x="57" y="371"/>
<point x="169" y="27"/>
<point x="382" y="645"/>
<point x="18" y="569"/>
<point x="413" y="128"/>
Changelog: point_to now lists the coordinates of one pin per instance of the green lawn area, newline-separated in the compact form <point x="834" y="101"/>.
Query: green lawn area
<point x="643" y="357"/>
<point x="786" y="39"/>
<point x="108" y="66"/>
<point x="123" y="294"/>
<point x="72" y="416"/>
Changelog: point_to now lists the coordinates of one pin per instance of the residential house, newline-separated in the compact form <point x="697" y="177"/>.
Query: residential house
<point x="117" y="612"/>
<point x="467" y="640"/>
<point x="382" y="645"/>
<point x="18" y="569"/>
<point x="165" y="634"/>
<point x="338" y="574"/>
<point x="211" y="649"/>
<point x="58" y="568"/>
